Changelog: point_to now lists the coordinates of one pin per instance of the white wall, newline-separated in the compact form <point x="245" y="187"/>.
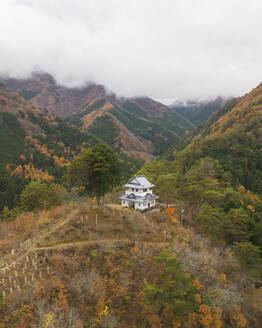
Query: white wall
<point x="125" y="203"/>
<point x="141" y="207"/>
<point x="144" y="206"/>
<point x="139" y="193"/>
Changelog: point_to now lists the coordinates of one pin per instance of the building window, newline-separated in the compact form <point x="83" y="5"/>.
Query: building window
<point x="139" y="204"/>
<point x="136" y="189"/>
<point x="144" y="190"/>
<point x="123" y="202"/>
<point x="133" y="189"/>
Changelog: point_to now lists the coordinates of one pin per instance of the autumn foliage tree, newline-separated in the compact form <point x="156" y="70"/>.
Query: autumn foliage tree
<point x="174" y="294"/>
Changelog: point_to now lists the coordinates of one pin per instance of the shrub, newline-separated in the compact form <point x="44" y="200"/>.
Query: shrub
<point x="38" y="196"/>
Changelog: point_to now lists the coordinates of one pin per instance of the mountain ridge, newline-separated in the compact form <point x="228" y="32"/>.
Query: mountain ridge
<point x="233" y="135"/>
<point x="143" y="127"/>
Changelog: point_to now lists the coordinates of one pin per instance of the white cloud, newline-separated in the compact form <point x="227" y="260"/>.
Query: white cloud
<point x="164" y="49"/>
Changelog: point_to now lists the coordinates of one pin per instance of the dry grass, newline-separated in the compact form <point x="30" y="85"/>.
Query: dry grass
<point x="114" y="262"/>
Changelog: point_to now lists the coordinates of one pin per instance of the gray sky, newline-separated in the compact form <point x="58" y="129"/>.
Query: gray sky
<point x="165" y="49"/>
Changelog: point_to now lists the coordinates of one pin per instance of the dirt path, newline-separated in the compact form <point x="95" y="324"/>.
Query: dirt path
<point x="101" y="241"/>
<point x="17" y="257"/>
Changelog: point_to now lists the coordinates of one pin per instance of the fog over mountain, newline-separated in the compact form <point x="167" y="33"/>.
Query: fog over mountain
<point x="163" y="49"/>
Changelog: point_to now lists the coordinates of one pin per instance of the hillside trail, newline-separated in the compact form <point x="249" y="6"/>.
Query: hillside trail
<point x="101" y="241"/>
<point x="17" y="256"/>
<point x="22" y="252"/>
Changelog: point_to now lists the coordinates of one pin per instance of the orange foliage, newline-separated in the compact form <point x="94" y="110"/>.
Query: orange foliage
<point x="171" y="212"/>
<point x="238" y="319"/>
<point x="210" y="317"/>
<point x="42" y="149"/>
<point x="18" y="171"/>
<point x="30" y="172"/>
<point x="25" y="222"/>
<point x="197" y="284"/>
<point x="61" y="161"/>
<point x="206" y="318"/>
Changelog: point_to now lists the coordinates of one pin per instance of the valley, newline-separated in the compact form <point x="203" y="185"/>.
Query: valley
<point x="66" y="261"/>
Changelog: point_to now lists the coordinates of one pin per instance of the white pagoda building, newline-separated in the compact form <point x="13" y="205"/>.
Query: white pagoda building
<point x="138" y="194"/>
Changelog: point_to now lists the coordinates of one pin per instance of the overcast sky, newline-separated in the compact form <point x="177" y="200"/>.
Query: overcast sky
<point x="165" y="49"/>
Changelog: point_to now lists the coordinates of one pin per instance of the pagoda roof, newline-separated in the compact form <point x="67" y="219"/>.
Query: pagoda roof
<point x="139" y="181"/>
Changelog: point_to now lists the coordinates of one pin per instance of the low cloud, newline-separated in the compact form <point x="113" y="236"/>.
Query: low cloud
<point x="164" y="49"/>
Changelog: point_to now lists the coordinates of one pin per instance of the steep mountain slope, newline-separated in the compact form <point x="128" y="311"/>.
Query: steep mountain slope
<point x="141" y="127"/>
<point x="33" y="145"/>
<point x="197" y="112"/>
<point x="134" y="130"/>
<point x="233" y="135"/>
<point x="36" y="144"/>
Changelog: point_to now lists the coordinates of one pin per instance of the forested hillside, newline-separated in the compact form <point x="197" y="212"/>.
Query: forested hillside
<point x="197" y="112"/>
<point x="37" y="145"/>
<point x="233" y="136"/>
<point x="216" y="180"/>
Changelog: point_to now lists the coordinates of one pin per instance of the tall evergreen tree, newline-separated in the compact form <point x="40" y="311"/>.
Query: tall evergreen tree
<point x="95" y="170"/>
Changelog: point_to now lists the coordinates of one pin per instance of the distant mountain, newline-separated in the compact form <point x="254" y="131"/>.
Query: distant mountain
<point x="198" y="111"/>
<point x="233" y="135"/>
<point x="42" y="91"/>
<point x="140" y="127"/>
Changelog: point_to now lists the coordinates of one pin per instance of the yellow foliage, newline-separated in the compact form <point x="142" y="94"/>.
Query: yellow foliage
<point x="222" y="279"/>
<point x="105" y="311"/>
<point x="176" y="324"/>
<point x="48" y="319"/>
<point x="101" y="307"/>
